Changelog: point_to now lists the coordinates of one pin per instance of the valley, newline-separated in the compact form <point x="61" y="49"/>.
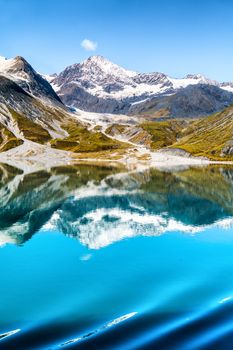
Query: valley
<point x="187" y="120"/>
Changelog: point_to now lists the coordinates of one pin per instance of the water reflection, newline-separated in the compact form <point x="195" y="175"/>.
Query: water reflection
<point x="99" y="205"/>
<point x="168" y="292"/>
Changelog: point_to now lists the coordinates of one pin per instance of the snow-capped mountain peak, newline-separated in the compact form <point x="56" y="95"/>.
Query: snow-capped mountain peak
<point x="21" y="72"/>
<point x="16" y="68"/>
<point x="100" y="77"/>
<point x="5" y="64"/>
<point x="96" y="75"/>
<point x="107" y="66"/>
<point x="98" y="85"/>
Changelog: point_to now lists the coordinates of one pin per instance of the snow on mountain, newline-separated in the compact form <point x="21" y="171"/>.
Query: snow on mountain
<point x="14" y="68"/>
<point x="22" y="73"/>
<point x="105" y="79"/>
<point x="98" y="85"/>
<point x="5" y="64"/>
<point x="48" y="77"/>
<point x="107" y="67"/>
<point x="192" y="79"/>
<point x="96" y="74"/>
<point x="227" y="86"/>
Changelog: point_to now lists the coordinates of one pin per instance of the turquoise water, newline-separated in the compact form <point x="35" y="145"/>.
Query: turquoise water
<point x="99" y="258"/>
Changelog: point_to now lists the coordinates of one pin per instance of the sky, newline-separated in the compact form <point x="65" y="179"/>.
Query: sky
<point x="176" y="37"/>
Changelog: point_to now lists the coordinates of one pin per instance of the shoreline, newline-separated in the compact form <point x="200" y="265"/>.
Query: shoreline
<point x="158" y="160"/>
<point x="31" y="156"/>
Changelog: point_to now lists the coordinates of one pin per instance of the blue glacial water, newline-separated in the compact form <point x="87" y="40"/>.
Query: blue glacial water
<point x="94" y="257"/>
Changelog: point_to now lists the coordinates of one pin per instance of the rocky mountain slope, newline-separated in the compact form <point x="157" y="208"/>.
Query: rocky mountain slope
<point x="30" y="110"/>
<point x="32" y="115"/>
<point x="98" y="85"/>
<point x="211" y="137"/>
<point x="191" y="101"/>
<point x="22" y="73"/>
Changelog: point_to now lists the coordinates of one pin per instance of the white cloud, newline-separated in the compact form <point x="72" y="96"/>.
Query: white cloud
<point x="89" y="45"/>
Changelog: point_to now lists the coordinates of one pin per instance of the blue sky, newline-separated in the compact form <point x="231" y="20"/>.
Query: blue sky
<point x="175" y="37"/>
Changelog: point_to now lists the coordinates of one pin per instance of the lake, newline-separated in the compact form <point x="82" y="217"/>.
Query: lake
<point x="97" y="257"/>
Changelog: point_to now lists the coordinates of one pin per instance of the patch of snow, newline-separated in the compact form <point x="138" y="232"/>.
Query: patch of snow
<point x="103" y="119"/>
<point x="191" y="80"/>
<point x="5" y="64"/>
<point x="128" y="91"/>
<point x="139" y="102"/>
<point x="47" y="77"/>
<point x="227" y="88"/>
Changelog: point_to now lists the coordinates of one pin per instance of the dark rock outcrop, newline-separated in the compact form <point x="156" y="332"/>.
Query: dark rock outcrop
<point x="228" y="149"/>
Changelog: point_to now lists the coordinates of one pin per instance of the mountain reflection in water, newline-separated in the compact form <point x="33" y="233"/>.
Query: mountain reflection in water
<point x="97" y="257"/>
<point x="99" y="205"/>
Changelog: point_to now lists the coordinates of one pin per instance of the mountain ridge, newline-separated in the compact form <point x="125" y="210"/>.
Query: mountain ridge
<point x="22" y="73"/>
<point x="33" y="119"/>
<point x="98" y="85"/>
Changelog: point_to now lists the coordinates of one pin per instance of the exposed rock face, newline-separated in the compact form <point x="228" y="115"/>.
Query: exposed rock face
<point x="79" y="97"/>
<point x="16" y="98"/>
<point x="201" y="99"/>
<point x="24" y="116"/>
<point x="19" y="70"/>
<point x="228" y="149"/>
<point x="29" y="107"/>
<point x="95" y="71"/>
<point x="192" y="101"/>
<point x="98" y="85"/>
<point x="153" y="79"/>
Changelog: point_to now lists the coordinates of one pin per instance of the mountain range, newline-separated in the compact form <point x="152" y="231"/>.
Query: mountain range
<point x="97" y="106"/>
<point x="98" y="85"/>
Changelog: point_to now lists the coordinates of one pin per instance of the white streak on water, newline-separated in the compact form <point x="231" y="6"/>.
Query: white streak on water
<point x="108" y="325"/>
<point x="8" y="334"/>
<point x="224" y="300"/>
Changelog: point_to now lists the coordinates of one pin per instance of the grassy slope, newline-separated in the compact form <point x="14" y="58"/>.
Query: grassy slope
<point x="31" y="130"/>
<point x="163" y="133"/>
<point x="116" y="129"/>
<point x="80" y="139"/>
<point x="154" y="135"/>
<point x="7" y="139"/>
<point x="203" y="137"/>
<point x="208" y="136"/>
